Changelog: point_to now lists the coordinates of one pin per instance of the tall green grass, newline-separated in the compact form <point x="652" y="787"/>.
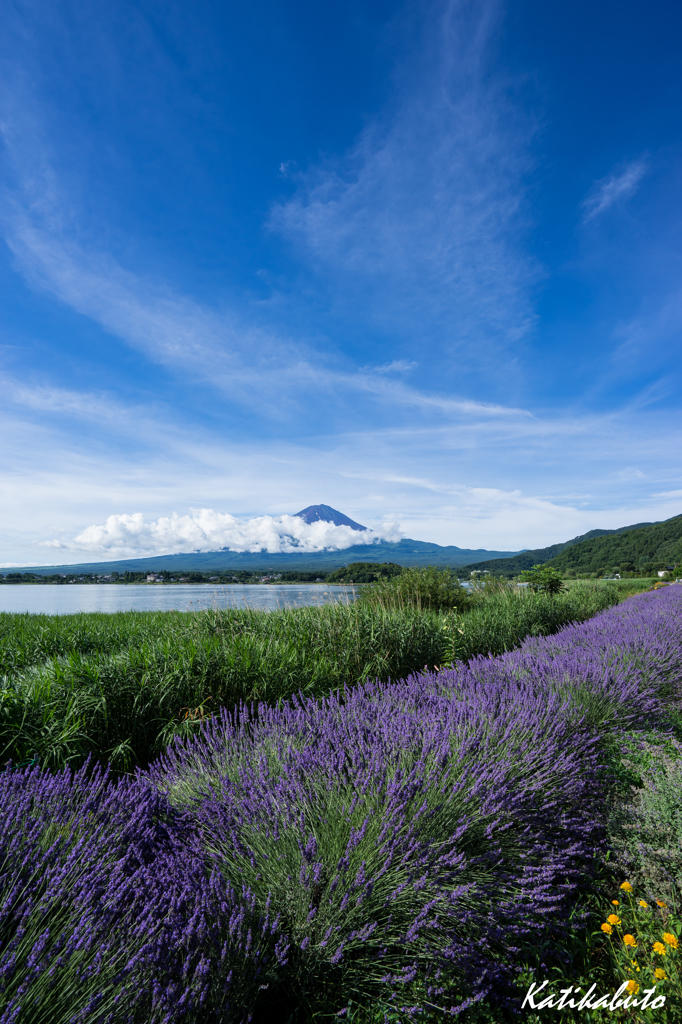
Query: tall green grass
<point x="120" y="687"/>
<point x="125" y="701"/>
<point x="500" y="617"/>
<point x="27" y="639"/>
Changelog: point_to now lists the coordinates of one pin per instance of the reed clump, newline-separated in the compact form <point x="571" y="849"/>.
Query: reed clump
<point x="119" y="687"/>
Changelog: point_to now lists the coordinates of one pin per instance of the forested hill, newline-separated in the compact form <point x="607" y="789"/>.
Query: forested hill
<point x="651" y="547"/>
<point x="525" y="559"/>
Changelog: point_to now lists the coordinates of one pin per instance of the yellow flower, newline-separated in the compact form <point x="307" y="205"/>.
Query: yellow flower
<point x="606" y="928"/>
<point x="629" y="940"/>
<point x="670" y="939"/>
<point x="643" y="904"/>
<point x="661" y="903"/>
<point x="659" y="974"/>
<point x="632" y="987"/>
<point x="616" y="903"/>
<point x="613" y="919"/>
<point x="626" y="886"/>
<point x="659" y="948"/>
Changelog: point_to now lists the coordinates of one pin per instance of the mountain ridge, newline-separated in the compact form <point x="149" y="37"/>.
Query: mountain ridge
<point x="595" y="550"/>
<point x="406" y="552"/>
<point x="588" y="552"/>
<point x="656" y="544"/>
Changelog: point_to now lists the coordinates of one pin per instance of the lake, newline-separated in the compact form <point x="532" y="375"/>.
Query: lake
<point x="67" y="598"/>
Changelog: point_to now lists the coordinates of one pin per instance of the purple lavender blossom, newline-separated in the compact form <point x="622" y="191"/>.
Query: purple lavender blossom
<point x="107" y="911"/>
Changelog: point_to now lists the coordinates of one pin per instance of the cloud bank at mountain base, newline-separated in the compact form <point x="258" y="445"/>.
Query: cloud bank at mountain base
<point x="207" y="530"/>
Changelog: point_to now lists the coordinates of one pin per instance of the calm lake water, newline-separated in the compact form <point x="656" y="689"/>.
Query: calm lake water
<point x="64" y="599"/>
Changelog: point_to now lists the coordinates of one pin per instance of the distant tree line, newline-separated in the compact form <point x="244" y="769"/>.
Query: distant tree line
<point x="356" y="572"/>
<point x="626" y="554"/>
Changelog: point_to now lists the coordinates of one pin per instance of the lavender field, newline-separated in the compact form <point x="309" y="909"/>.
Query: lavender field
<point x="393" y="851"/>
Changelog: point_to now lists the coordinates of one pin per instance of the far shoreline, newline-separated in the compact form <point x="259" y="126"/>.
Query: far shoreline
<point x="177" y="583"/>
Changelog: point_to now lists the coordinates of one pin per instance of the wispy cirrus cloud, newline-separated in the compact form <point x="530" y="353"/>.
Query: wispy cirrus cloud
<point x="214" y="348"/>
<point x="395" y="366"/>
<point x="614" y="188"/>
<point x="425" y="211"/>
<point x="99" y="407"/>
<point x="420" y="223"/>
<point x="170" y="328"/>
<point x="652" y="338"/>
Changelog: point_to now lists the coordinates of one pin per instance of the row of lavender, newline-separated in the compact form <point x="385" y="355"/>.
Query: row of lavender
<point x="400" y="843"/>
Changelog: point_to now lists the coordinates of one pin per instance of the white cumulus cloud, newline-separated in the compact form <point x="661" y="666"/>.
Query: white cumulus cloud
<point x="206" y="530"/>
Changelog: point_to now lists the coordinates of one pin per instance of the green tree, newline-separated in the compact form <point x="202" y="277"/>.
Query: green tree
<point x="543" y="579"/>
<point x="364" y="572"/>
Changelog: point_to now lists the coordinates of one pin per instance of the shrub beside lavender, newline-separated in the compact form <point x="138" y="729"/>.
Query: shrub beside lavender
<point x="502" y="616"/>
<point x="647" y="828"/>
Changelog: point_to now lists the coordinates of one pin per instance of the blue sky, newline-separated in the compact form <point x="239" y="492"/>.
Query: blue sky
<point x="420" y="262"/>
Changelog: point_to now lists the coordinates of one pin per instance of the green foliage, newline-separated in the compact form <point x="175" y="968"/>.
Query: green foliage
<point x="427" y="588"/>
<point x="365" y="572"/>
<point x="649" y="548"/>
<point x="543" y="579"/>
<point x="501" y="621"/>
<point x="646" y="824"/>
<point x="300" y="577"/>
<point x="13" y="708"/>
<point x="77" y="688"/>
<point x="120" y="686"/>
<point x="30" y="639"/>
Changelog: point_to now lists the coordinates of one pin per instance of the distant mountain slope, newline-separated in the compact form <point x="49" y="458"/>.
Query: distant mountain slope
<point x="633" y="547"/>
<point x="509" y="567"/>
<point x="327" y="514"/>
<point x="404" y="552"/>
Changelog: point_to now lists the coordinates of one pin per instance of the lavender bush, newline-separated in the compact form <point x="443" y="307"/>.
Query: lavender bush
<point x="399" y="832"/>
<point x="408" y="846"/>
<point x="107" y="911"/>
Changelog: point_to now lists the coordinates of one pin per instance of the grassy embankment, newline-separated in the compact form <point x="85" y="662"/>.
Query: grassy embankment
<point x="121" y="686"/>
